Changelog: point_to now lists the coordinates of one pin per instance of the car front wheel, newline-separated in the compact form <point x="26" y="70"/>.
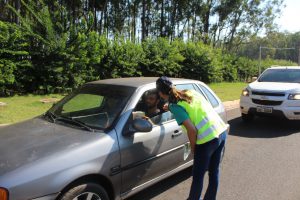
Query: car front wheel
<point x="88" y="191"/>
<point x="247" y="117"/>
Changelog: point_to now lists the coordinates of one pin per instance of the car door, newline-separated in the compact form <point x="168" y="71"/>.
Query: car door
<point x="147" y="155"/>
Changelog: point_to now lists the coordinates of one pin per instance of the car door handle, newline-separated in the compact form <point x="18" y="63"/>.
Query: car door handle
<point x="176" y="133"/>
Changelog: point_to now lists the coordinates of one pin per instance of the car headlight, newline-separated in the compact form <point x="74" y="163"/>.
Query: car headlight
<point x="294" y="97"/>
<point x="245" y="92"/>
<point x="3" y="194"/>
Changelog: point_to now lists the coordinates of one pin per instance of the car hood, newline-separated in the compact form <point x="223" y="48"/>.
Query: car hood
<point x="26" y="142"/>
<point x="275" y="86"/>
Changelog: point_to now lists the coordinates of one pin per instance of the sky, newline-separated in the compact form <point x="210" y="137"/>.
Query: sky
<point x="290" y="17"/>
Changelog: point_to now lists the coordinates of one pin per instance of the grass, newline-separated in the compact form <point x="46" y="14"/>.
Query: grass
<point x="228" y="91"/>
<point x="20" y="108"/>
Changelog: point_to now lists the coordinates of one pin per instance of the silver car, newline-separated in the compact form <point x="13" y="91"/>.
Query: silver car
<point x="93" y="144"/>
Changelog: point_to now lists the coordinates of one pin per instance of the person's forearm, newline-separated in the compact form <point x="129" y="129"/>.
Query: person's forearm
<point x="192" y="139"/>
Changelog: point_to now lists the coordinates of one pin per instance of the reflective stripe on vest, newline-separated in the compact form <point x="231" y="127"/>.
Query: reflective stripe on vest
<point x="202" y="123"/>
<point x="207" y="122"/>
<point x="208" y="131"/>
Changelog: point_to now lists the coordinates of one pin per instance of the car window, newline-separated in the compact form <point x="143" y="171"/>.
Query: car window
<point x="80" y="102"/>
<point x="94" y="105"/>
<point x="151" y="105"/>
<point x="190" y="87"/>
<point x="211" y="98"/>
<point x="185" y="87"/>
<point x="281" y="75"/>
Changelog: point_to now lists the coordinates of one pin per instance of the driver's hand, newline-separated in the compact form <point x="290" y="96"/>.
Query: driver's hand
<point x="166" y="107"/>
<point x="148" y="119"/>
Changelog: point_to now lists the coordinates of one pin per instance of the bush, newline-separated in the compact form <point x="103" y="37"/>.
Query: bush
<point x="201" y="62"/>
<point x="13" y="54"/>
<point x="123" y="59"/>
<point x="229" y="69"/>
<point x="161" y="58"/>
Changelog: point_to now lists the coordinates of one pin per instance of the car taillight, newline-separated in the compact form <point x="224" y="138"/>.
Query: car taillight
<point x="3" y="194"/>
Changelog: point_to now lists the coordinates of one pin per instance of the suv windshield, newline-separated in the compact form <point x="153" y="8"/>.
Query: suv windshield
<point x="281" y="75"/>
<point x="94" y="105"/>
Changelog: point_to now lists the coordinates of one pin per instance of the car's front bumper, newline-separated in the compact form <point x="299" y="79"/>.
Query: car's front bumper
<point x="289" y="109"/>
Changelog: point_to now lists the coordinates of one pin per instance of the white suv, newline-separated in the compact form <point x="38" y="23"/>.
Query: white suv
<point x="275" y="93"/>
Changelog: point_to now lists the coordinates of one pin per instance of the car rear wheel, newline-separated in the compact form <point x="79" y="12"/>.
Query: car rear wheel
<point x="88" y="191"/>
<point x="247" y="117"/>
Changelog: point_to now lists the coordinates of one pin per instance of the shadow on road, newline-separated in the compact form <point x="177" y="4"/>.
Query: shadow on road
<point x="163" y="186"/>
<point x="262" y="127"/>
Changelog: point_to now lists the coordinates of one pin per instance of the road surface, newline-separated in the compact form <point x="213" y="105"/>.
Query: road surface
<point x="262" y="162"/>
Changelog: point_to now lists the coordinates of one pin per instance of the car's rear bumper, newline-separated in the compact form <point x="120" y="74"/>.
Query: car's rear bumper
<point x="288" y="109"/>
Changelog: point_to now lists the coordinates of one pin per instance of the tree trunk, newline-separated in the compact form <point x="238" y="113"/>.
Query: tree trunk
<point x="206" y="21"/>
<point x="162" y="19"/>
<point x="143" y="20"/>
<point x="133" y="22"/>
<point x="17" y="6"/>
<point x="102" y="27"/>
<point x="173" y="19"/>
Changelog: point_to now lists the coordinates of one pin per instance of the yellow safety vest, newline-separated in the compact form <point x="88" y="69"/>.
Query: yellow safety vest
<point x="208" y="123"/>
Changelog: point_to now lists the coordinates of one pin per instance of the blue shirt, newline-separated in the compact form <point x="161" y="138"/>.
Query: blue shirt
<point x="179" y="113"/>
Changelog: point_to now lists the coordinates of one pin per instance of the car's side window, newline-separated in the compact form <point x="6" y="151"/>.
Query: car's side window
<point x="185" y="87"/>
<point x="150" y="105"/>
<point x="214" y="102"/>
<point x="190" y="87"/>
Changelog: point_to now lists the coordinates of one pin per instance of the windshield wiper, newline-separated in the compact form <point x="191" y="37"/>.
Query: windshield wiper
<point x="54" y="118"/>
<point x="50" y="115"/>
<point x="74" y="121"/>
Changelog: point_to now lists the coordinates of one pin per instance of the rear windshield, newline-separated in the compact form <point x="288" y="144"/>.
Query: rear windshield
<point x="281" y="75"/>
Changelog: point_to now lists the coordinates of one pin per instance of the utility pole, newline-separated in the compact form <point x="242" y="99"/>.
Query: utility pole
<point x="259" y="68"/>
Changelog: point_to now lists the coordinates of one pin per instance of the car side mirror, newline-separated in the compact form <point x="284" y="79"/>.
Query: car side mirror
<point x="142" y="125"/>
<point x="139" y="125"/>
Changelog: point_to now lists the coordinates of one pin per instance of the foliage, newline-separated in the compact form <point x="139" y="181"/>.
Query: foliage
<point x="230" y="68"/>
<point x="50" y="46"/>
<point x="225" y="22"/>
<point x="122" y="59"/>
<point x="13" y="55"/>
<point x="201" y="62"/>
<point x="162" y="58"/>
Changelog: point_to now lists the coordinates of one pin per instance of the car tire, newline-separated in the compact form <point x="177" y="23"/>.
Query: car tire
<point x="85" y="191"/>
<point x="247" y="117"/>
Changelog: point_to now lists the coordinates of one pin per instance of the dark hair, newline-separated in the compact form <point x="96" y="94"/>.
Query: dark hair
<point x="152" y="92"/>
<point x="179" y="95"/>
<point x="164" y="84"/>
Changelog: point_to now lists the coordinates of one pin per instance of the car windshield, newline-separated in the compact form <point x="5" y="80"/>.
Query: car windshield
<point x="281" y="75"/>
<point x="93" y="105"/>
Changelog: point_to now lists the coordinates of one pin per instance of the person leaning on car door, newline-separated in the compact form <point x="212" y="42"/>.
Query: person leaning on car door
<point x="206" y="132"/>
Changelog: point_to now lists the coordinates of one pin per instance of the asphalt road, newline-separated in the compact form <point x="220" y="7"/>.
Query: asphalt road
<point x="262" y="162"/>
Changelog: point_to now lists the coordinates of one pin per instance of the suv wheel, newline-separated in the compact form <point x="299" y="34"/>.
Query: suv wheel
<point x="86" y="192"/>
<point x="247" y="117"/>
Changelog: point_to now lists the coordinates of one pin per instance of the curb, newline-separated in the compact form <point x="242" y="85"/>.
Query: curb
<point x="230" y="105"/>
<point x="4" y="125"/>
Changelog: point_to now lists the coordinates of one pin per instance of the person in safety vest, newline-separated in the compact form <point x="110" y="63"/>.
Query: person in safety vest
<point x="206" y="132"/>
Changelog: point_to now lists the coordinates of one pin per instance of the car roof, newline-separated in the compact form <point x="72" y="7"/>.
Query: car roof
<point x="284" y="67"/>
<point x="137" y="81"/>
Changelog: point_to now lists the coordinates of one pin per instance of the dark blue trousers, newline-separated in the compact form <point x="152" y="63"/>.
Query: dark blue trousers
<point x="207" y="157"/>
